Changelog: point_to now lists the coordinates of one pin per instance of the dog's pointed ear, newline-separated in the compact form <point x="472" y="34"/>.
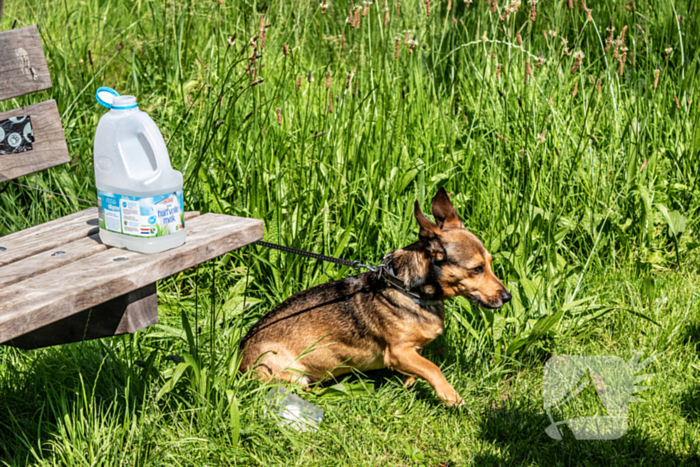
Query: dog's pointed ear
<point x="429" y="232"/>
<point x="444" y="212"/>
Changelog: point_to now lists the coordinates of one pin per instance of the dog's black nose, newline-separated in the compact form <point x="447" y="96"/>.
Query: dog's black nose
<point x="505" y="296"/>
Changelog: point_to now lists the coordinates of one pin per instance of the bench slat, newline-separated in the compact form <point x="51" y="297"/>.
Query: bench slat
<point x="48" y="236"/>
<point x="51" y="259"/>
<point x="54" y="295"/>
<point x="64" y="246"/>
<point x="49" y="148"/>
<point x="23" y="68"/>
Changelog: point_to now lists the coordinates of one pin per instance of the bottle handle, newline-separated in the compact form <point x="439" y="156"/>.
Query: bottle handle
<point x="157" y="145"/>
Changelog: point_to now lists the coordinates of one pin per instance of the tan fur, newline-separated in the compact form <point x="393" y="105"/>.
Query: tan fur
<point x="363" y="323"/>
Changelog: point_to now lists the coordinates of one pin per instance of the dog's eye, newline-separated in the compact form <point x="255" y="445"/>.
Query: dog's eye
<point x="478" y="270"/>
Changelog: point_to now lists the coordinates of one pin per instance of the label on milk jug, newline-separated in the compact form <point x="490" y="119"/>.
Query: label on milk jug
<point x="141" y="217"/>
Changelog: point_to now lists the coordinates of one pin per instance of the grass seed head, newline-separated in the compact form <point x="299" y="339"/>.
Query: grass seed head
<point x="90" y="57"/>
<point x="578" y="57"/>
<point x="328" y="79"/>
<point x="622" y="34"/>
<point x="330" y="102"/>
<point x="398" y="8"/>
<point x="427" y="7"/>
<point x="609" y="40"/>
<point x="323" y="6"/>
<point x="668" y="50"/>
<point x="309" y="77"/>
<point x="498" y="72"/>
<point x="570" y="3"/>
<point x="589" y="12"/>
<point x="575" y="91"/>
<point x="518" y="38"/>
<point x="675" y="98"/>
<point x="366" y="9"/>
<point x="541" y="136"/>
<point x="279" y="116"/>
<point x="285" y="49"/>
<point x="298" y="86"/>
<point x="449" y="5"/>
<point x="533" y="10"/>
<point x="494" y="6"/>
<point x="347" y="80"/>
<point x="386" y="17"/>
<point x="396" y="48"/>
<point x="540" y="60"/>
<point x="597" y="86"/>
<point x="528" y="71"/>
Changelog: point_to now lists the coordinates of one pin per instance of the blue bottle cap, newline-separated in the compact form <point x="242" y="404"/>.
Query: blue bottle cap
<point x="105" y="96"/>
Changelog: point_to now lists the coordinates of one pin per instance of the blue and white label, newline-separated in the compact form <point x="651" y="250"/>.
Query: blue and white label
<point x="141" y="217"/>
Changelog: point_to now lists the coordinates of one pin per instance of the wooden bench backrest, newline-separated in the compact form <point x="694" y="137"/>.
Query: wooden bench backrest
<point x="31" y="137"/>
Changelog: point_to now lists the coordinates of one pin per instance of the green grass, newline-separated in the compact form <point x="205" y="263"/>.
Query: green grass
<point x="592" y="224"/>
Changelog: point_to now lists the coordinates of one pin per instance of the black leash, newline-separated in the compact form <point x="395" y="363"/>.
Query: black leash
<point x="343" y="262"/>
<point x="384" y="271"/>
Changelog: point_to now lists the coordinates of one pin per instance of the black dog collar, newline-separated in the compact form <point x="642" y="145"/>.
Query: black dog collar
<point x="386" y="272"/>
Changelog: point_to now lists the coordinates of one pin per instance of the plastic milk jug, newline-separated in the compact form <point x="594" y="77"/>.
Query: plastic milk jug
<point x="139" y="194"/>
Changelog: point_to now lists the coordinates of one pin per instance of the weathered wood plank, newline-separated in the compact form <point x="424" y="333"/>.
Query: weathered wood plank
<point x="49" y="147"/>
<point x="23" y="68"/>
<point x="54" y="258"/>
<point x="123" y="315"/>
<point x="52" y="296"/>
<point x="48" y="236"/>
<point x="48" y="260"/>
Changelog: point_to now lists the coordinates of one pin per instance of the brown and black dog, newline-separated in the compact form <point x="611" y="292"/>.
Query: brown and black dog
<point x="367" y="323"/>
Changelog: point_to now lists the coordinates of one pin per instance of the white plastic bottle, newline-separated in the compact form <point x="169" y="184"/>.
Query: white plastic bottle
<point x="139" y="193"/>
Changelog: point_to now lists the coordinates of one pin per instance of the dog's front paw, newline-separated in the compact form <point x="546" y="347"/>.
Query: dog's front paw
<point x="452" y="399"/>
<point x="409" y="381"/>
<point x="456" y="403"/>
